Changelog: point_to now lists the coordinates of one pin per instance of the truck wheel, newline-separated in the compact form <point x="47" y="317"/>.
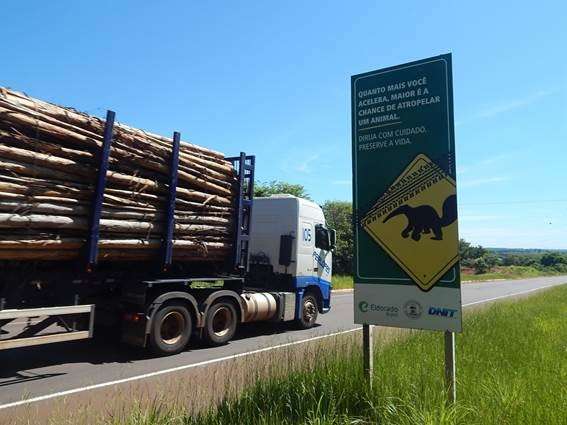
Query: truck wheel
<point x="171" y="329"/>
<point x="220" y="323"/>
<point x="308" y="313"/>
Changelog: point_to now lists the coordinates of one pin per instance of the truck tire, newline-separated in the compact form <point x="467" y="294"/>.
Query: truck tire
<point x="308" y="313"/>
<point x="171" y="329"/>
<point x="220" y="323"/>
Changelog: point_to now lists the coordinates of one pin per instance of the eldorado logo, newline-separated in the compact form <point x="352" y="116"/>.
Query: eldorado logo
<point x="388" y="310"/>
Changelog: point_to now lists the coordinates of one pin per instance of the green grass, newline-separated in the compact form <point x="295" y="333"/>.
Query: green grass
<point x="342" y="282"/>
<point x="511" y="369"/>
<point x="507" y="272"/>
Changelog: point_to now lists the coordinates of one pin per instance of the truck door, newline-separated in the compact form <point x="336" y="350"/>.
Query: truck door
<point x="322" y="255"/>
<point x="307" y="265"/>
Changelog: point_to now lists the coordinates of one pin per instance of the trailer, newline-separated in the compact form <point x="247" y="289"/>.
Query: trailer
<point x="279" y="271"/>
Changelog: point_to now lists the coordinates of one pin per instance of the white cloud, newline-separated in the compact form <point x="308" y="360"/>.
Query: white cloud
<point x="512" y="104"/>
<point x="479" y="217"/>
<point x="506" y="106"/>
<point x="482" y="181"/>
<point x="463" y="169"/>
<point x="304" y="166"/>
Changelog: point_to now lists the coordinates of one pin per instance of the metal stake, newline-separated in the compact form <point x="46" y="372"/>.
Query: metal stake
<point x="170" y="212"/>
<point x="450" y="372"/>
<point x="96" y="206"/>
<point x="368" y="353"/>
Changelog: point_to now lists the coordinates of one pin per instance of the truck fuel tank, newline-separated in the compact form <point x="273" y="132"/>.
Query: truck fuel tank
<point x="259" y="306"/>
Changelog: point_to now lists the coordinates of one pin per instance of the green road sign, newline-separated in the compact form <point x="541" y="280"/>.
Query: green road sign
<point x="404" y="195"/>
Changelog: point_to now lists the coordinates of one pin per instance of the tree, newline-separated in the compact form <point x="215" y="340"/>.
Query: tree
<point x="520" y="260"/>
<point x="480" y="266"/>
<point x="469" y="253"/>
<point x="492" y="261"/>
<point x="275" y="187"/>
<point x="552" y="259"/>
<point x="512" y="260"/>
<point x="464" y="248"/>
<point x="338" y="215"/>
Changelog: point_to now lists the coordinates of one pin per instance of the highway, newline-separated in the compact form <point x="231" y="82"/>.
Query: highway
<point x="39" y="373"/>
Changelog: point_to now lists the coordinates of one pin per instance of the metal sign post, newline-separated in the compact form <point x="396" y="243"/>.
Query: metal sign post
<point x="450" y="372"/>
<point x="368" y="353"/>
<point x="406" y="241"/>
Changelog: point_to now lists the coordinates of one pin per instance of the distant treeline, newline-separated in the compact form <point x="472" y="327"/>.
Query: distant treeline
<point x="482" y="260"/>
<point x="522" y="251"/>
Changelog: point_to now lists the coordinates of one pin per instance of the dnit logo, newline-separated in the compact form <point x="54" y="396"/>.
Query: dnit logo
<point x="441" y="311"/>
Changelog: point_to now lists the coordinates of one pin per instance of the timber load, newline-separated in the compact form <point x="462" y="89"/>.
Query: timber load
<point x="49" y="166"/>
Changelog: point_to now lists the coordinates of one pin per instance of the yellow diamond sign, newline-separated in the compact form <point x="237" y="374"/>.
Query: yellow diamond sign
<point x="415" y="222"/>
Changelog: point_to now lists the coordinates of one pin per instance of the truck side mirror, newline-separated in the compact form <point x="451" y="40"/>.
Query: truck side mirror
<point x="322" y="239"/>
<point x="333" y="238"/>
<point x="286" y="245"/>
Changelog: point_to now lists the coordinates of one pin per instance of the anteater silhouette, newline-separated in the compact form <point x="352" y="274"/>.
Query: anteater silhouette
<point x="424" y="219"/>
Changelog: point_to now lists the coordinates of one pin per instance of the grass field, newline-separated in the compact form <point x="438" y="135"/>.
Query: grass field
<point x="511" y="369"/>
<point x="342" y="282"/>
<point x="508" y="273"/>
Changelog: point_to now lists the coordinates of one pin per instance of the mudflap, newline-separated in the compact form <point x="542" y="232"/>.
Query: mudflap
<point x="134" y="334"/>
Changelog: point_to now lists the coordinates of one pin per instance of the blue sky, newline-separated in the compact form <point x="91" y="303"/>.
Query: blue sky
<point x="273" y="79"/>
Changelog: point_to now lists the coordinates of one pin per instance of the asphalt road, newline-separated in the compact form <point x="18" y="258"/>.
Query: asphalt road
<point x="27" y="373"/>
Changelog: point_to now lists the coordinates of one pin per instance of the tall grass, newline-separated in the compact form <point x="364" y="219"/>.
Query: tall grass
<point x="512" y="369"/>
<point x="511" y="272"/>
<point x="342" y="282"/>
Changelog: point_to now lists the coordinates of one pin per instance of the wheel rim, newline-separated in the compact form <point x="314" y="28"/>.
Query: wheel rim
<point x="222" y="320"/>
<point x="172" y="327"/>
<point x="309" y="310"/>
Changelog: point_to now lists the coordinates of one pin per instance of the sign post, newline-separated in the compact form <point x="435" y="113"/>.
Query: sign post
<point x="368" y="353"/>
<point x="450" y="372"/>
<point x="404" y="200"/>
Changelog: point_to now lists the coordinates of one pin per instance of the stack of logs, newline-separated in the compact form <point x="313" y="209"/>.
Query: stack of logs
<point x="48" y="166"/>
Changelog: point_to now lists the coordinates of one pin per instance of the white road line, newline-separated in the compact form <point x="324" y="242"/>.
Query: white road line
<point x="220" y="359"/>
<point x="174" y="369"/>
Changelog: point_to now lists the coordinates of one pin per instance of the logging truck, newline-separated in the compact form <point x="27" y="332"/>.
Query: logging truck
<point x="279" y="271"/>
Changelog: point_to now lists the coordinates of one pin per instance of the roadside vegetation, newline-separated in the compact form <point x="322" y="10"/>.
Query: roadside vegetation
<point x="507" y="273"/>
<point x="511" y="369"/>
<point x="495" y="273"/>
<point x="342" y="282"/>
<point x="480" y="264"/>
<point x="481" y="261"/>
